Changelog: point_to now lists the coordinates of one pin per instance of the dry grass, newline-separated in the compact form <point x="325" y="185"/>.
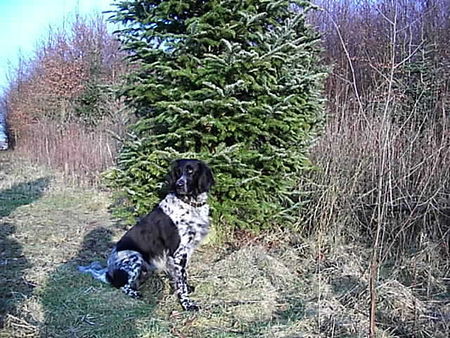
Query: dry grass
<point x="416" y="171"/>
<point x="405" y="221"/>
<point x="273" y="286"/>
<point x="79" y="152"/>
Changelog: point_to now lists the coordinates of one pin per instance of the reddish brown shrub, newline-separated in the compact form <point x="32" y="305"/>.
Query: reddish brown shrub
<point x="62" y="100"/>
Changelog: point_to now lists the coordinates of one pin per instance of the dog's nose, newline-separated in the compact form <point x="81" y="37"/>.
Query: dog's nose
<point x="180" y="183"/>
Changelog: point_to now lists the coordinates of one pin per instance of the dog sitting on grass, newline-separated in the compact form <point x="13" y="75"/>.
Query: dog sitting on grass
<point x="164" y="239"/>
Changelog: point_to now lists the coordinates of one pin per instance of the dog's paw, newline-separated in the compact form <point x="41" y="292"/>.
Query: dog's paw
<point x="131" y="293"/>
<point x="193" y="307"/>
<point x="190" y="306"/>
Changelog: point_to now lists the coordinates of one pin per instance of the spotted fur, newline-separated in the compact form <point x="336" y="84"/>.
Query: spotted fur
<point x="166" y="238"/>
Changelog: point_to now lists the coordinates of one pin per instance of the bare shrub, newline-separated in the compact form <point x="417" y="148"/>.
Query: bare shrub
<point x="416" y="197"/>
<point x="80" y="153"/>
<point x="62" y="102"/>
<point x="384" y="157"/>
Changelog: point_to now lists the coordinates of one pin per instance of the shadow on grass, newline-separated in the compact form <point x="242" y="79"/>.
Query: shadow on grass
<point x="76" y="305"/>
<point x="14" y="287"/>
<point x="21" y="194"/>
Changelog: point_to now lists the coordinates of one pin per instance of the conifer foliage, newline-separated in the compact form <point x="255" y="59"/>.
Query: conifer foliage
<point x="235" y="83"/>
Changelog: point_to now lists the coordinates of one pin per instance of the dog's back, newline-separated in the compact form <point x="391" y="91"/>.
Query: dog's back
<point x="153" y="236"/>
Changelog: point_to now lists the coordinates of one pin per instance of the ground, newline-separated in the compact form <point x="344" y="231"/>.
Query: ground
<point x="267" y="286"/>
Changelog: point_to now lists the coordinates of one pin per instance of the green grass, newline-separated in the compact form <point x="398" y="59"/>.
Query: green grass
<point x="75" y="305"/>
<point x="48" y="228"/>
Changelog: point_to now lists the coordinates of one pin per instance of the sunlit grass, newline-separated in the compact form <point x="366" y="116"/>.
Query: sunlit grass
<point x="277" y="286"/>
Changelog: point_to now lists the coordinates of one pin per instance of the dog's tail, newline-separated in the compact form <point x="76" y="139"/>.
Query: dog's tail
<point x="97" y="271"/>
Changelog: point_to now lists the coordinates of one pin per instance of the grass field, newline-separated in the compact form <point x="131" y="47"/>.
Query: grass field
<point x="273" y="286"/>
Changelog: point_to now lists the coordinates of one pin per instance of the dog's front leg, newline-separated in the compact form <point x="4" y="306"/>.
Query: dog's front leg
<point x="178" y="273"/>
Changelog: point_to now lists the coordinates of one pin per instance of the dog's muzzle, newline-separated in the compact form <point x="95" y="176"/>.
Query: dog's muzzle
<point x="181" y="186"/>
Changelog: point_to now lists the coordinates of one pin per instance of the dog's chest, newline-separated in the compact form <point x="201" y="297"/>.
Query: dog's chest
<point x="192" y="222"/>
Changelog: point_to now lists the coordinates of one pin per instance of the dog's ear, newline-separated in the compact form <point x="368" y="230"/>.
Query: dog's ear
<point x="173" y="175"/>
<point x="205" y="179"/>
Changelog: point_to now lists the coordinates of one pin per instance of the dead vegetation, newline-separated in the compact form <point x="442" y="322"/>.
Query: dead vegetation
<point x="61" y="104"/>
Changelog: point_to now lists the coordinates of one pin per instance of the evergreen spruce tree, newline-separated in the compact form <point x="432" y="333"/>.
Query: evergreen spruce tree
<point x="235" y="83"/>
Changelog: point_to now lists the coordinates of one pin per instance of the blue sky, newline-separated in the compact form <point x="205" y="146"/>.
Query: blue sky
<point x="23" y="23"/>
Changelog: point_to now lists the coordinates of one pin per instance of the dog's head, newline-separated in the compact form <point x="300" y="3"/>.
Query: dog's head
<point x="190" y="178"/>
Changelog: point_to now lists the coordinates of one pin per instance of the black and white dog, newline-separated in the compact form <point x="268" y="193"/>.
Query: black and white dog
<point x="166" y="238"/>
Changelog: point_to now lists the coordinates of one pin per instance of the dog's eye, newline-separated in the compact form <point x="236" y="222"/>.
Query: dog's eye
<point x="189" y="170"/>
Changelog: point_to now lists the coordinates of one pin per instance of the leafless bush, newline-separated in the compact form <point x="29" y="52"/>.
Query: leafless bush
<point x="385" y="151"/>
<point x="384" y="157"/>
<point x="81" y="154"/>
<point x="60" y="99"/>
<point x="416" y="192"/>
